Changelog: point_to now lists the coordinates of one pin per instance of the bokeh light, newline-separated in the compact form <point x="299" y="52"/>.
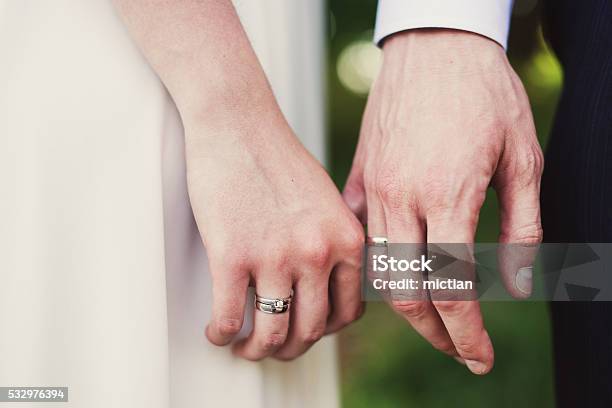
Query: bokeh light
<point x="543" y="72"/>
<point x="358" y="65"/>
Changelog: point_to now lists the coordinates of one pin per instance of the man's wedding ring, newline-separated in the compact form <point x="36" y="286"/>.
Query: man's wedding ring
<point x="272" y="306"/>
<point x="377" y="241"/>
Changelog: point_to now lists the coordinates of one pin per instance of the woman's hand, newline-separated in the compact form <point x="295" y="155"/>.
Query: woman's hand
<point x="267" y="211"/>
<point x="269" y="215"/>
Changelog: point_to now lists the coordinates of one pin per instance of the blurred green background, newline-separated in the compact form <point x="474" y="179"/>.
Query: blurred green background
<point x="384" y="362"/>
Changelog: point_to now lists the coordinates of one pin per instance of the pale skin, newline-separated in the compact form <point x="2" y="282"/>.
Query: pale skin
<point x="446" y="118"/>
<point x="268" y="213"/>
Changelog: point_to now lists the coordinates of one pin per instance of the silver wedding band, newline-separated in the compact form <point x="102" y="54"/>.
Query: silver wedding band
<point x="272" y="305"/>
<point x="377" y="241"/>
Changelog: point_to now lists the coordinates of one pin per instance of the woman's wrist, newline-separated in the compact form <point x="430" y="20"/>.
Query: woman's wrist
<point x="229" y="102"/>
<point x="239" y="136"/>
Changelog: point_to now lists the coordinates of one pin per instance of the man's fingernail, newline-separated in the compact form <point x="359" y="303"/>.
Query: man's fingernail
<point x="476" y="366"/>
<point x="523" y="279"/>
<point x="459" y="360"/>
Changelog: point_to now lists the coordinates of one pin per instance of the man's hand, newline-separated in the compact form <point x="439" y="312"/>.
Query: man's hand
<point x="446" y="118"/>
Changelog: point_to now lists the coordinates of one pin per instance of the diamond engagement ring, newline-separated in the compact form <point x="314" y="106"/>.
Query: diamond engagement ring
<point x="271" y="305"/>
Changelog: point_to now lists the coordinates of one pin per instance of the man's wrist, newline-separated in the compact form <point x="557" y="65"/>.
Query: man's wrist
<point x="442" y="51"/>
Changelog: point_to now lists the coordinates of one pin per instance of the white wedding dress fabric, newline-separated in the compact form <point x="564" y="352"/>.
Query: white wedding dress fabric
<point x="104" y="286"/>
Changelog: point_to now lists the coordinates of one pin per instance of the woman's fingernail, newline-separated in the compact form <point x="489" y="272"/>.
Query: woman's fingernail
<point x="523" y="279"/>
<point x="459" y="360"/>
<point x="476" y="366"/>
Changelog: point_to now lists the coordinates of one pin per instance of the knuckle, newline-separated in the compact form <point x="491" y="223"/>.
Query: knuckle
<point x="228" y="326"/>
<point x="231" y="261"/>
<point x="415" y="309"/>
<point x="467" y="347"/>
<point x="527" y="165"/>
<point x="318" y="253"/>
<point x="531" y="233"/>
<point x="353" y="243"/>
<point x="312" y="336"/>
<point x="351" y="316"/>
<point x="281" y="261"/>
<point x="530" y="164"/>
<point x="439" y="204"/>
<point x="452" y="196"/>
<point x="493" y="125"/>
<point x="536" y="235"/>
<point x="449" y="307"/>
<point x="539" y="159"/>
<point x="354" y="238"/>
<point x="272" y="341"/>
<point x="446" y="295"/>
<point x="390" y="189"/>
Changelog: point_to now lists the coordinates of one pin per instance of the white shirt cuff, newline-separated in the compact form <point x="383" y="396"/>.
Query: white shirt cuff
<point x="490" y="18"/>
